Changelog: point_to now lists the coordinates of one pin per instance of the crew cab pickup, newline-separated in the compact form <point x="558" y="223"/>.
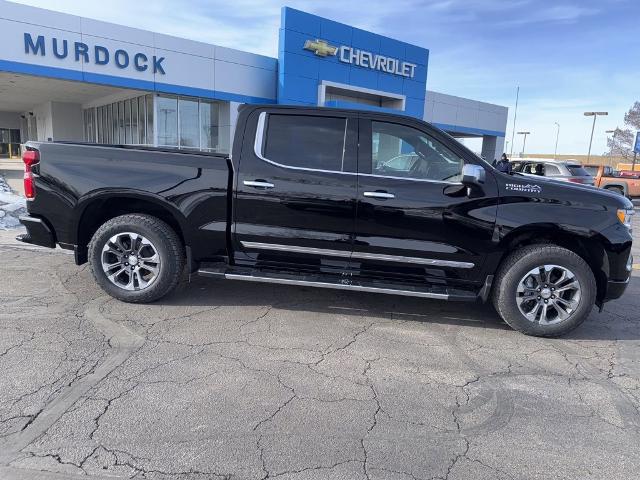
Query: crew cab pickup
<point x="332" y="198"/>
<point x="605" y="178"/>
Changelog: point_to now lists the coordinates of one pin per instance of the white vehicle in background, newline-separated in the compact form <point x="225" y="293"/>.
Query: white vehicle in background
<point x="561" y="170"/>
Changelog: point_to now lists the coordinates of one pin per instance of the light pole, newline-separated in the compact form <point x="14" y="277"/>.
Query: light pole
<point x="555" y="152"/>
<point x="594" y="115"/>
<point x="515" y="115"/>
<point x="524" y="142"/>
<point x="608" y="132"/>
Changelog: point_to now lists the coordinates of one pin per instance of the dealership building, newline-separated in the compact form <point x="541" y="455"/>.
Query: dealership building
<point x="64" y="77"/>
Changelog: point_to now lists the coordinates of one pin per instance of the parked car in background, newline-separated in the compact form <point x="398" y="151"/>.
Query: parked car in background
<point x="565" y="171"/>
<point x="608" y="179"/>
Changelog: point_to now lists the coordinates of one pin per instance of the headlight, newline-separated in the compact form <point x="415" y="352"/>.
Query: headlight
<point x="625" y="215"/>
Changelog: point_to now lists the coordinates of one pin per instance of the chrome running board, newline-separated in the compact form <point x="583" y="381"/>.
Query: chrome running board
<point x="411" y="292"/>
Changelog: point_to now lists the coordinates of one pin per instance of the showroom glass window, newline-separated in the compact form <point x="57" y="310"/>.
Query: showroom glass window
<point x="181" y="122"/>
<point x="167" y="118"/>
<point x="133" y="102"/>
<point x="402" y="151"/>
<point x="306" y="141"/>
<point x="188" y="118"/>
<point x="209" y="128"/>
<point x="184" y="122"/>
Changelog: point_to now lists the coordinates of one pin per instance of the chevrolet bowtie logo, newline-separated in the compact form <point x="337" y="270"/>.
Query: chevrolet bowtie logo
<point x="320" y="47"/>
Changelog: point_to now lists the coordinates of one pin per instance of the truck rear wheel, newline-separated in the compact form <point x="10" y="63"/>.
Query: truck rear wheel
<point x="544" y="290"/>
<point x="136" y="258"/>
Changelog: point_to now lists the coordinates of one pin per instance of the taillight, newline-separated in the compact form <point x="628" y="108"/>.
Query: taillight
<point x="576" y="180"/>
<point x="30" y="158"/>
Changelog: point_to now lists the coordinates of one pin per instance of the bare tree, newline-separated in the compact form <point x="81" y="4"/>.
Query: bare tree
<point x="621" y="143"/>
<point x="632" y="117"/>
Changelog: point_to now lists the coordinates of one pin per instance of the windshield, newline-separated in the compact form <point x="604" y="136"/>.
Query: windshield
<point x="593" y="171"/>
<point x="578" y="171"/>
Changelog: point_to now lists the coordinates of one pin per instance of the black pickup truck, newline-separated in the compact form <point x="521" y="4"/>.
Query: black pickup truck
<point x="333" y="198"/>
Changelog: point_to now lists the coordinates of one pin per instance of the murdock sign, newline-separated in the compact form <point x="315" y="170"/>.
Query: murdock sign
<point x="97" y="54"/>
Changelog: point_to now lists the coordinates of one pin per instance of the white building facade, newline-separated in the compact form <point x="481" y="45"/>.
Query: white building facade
<point x="64" y="77"/>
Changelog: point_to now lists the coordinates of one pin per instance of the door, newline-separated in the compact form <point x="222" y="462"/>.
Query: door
<point x="415" y="221"/>
<point x="296" y="189"/>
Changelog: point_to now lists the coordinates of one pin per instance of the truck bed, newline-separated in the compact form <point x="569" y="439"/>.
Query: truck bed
<point x="79" y="183"/>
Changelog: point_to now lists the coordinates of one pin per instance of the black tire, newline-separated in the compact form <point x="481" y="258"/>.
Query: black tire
<point x="165" y="241"/>
<point x="516" y="266"/>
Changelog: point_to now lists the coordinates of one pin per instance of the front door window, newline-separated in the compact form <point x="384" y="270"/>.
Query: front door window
<point x="402" y="151"/>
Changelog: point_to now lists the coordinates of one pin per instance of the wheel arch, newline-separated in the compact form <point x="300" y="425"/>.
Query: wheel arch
<point x="588" y="247"/>
<point x="99" y="207"/>
<point x="622" y="185"/>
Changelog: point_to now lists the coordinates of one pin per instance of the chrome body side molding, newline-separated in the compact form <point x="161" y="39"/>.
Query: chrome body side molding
<point x="357" y="255"/>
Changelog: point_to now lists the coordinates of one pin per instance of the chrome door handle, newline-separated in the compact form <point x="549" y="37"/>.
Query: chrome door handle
<point x="384" y="195"/>
<point x="258" y="184"/>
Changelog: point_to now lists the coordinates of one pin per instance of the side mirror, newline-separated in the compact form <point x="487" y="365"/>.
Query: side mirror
<point x="473" y="175"/>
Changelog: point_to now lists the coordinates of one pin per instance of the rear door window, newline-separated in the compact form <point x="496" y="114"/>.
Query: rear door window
<point x="551" y="170"/>
<point x="534" y="169"/>
<point x="577" y="171"/>
<point x="305" y="141"/>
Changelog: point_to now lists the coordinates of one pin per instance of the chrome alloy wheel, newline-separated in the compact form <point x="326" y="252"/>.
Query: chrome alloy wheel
<point x="548" y="294"/>
<point x="130" y="261"/>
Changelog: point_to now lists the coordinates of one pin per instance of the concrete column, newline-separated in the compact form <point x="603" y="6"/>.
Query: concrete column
<point x="232" y="115"/>
<point x="57" y="121"/>
<point x="67" y="121"/>
<point x="499" y="146"/>
<point x="489" y="148"/>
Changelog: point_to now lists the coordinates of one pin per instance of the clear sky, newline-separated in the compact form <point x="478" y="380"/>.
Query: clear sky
<point x="567" y="56"/>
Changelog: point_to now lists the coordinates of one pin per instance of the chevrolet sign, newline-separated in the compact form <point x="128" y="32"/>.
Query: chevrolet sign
<point x="362" y="58"/>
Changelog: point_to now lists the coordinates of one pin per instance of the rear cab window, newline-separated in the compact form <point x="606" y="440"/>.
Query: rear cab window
<point x="578" y="171"/>
<point x="307" y="141"/>
<point x="609" y="172"/>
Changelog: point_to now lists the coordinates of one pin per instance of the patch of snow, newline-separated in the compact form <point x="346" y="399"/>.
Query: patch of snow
<point x="11" y="206"/>
<point x="4" y="188"/>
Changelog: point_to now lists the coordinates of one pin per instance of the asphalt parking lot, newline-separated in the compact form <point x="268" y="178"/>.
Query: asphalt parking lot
<point x="229" y="380"/>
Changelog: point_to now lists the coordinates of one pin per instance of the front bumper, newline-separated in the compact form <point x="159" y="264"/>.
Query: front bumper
<point x="615" y="288"/>
<point x="38" y="232"/>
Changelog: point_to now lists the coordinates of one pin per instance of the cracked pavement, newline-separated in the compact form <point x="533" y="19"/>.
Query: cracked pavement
<point x="224" y="380"/>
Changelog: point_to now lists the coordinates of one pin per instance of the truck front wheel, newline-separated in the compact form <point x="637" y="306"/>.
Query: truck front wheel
<point x="136" y="258"/>
<point x="544" y="290"/>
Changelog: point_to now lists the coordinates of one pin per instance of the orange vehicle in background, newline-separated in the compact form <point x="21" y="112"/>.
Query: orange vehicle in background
<point x="608" y="179"/>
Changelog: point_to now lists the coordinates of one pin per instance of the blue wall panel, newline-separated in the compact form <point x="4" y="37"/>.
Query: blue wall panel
<point x="298" y="21"/>
<point x="299" y="88"/>
<point x="334" y="72"/>
<point x="362" y="77"/>
<point x="390" y="83"/>
<point x="302" y="71"/>
<point x="335" y="32"/>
